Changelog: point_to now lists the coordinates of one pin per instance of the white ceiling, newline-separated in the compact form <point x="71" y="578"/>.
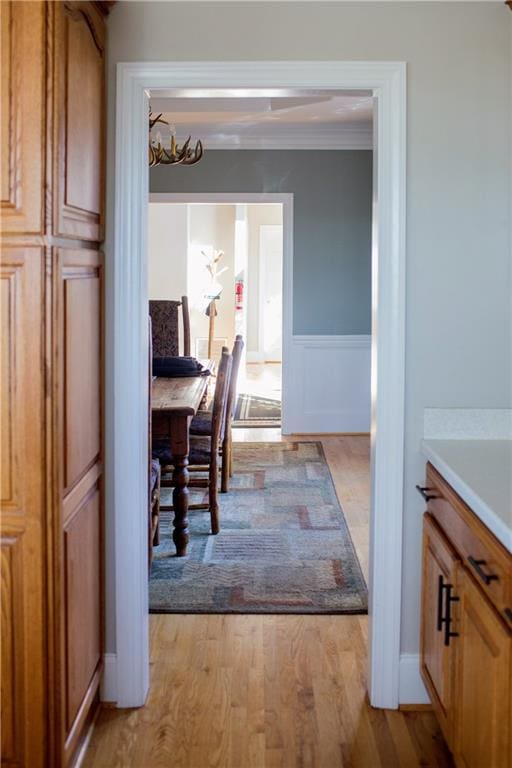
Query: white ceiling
<point x="329" y="120"/>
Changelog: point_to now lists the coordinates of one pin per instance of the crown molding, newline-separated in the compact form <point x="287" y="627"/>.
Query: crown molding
<point x="339" y="137"/>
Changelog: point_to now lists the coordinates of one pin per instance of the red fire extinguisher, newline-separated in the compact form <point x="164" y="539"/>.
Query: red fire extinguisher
<point x="239" y="294"/>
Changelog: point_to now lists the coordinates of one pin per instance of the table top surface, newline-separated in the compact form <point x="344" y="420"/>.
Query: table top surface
<point x="181" y="394"/>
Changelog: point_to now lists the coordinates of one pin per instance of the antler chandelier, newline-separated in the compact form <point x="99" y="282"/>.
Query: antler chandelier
<point x="174" y="155"/>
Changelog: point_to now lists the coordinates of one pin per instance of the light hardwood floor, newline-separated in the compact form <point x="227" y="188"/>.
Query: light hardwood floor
<point x="269" y="691"/>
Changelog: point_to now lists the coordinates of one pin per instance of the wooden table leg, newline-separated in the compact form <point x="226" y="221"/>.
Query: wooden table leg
<point x="180" y="450"/>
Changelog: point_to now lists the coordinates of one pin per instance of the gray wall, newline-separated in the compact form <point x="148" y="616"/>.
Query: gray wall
<point x="332" y="224"/>
<point x="458" y="183"/>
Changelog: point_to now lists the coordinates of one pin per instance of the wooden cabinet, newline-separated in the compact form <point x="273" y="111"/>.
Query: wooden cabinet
<point x="79" y="277"/>
<point x="23" y="507"/>
<point x="24" y="77"/>
<point x="79" y="120"/>
<point x="51" y="298"/>
<point x="466" y="635"/>
<point x="440" y="576"/>
<point x="482" y="681"/>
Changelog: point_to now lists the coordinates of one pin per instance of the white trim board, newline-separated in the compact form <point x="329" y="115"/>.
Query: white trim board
<point x="126" y="324"/>
<point x="411" y="690"/>
<point x="254" y="357"/>
<point x="109" y="679"/>
<point x="262" y="267"/>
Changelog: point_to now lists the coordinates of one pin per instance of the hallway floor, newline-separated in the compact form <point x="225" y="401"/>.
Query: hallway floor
<point x="262" y="379"/>
<point x="256" y="691"/>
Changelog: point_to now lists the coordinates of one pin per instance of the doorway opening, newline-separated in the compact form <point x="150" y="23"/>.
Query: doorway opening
<point x="281" y="498"/>
<point x="249" y="235"/>
<point x="386" y="81"/>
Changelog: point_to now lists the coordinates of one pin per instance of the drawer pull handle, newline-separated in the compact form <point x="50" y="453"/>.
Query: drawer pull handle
<point x="478" y="566"/>
<point x="447" y="619"/>
<point x="425" y="493"/>
<point x="440" y="595"/>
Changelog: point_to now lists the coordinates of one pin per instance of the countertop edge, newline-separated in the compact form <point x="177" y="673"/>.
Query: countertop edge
<point x="467" y="494"/>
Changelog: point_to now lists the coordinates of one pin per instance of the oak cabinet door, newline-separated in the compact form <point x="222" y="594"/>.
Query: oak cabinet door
<point x="79" y="121"/>
<point x="81" y="277"/>
<point x="80" y="319"/>
<point x="23" y="617"/>
<point x="22" y="123"/>
<point x="483" y="683"/>
<point x="440" y="574"/>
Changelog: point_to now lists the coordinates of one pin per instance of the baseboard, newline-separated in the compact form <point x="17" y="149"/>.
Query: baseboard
<point x="330" y="434"/>
<point x="254" y="357"/>
<point x="79" y="757"/>
<point x="411" y="689"/>
<point x="108" y="688"/>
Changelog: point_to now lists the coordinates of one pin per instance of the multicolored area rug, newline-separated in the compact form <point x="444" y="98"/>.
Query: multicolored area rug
<point x="284" y="545"/>
<point x="255" y="411"/>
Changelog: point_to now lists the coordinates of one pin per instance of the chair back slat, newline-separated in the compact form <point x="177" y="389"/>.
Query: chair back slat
<point x="150" y="382"/>
<point x="186" y="326"/>
<point x="235" y="367"/>
<point x="220" y="396"/>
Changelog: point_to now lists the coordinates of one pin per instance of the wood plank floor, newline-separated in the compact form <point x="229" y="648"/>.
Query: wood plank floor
<point x="269" y="691"/>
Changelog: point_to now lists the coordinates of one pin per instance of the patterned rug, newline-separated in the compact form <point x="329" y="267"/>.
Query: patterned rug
<point x="284" y="545"/>
<point x="254" y="411"/>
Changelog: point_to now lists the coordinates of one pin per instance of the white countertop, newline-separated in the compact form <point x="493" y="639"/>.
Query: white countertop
<point x="480" y="471"/>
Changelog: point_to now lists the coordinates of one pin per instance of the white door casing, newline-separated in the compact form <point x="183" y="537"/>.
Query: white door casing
<point x="271" y="292"/>
<point x="126" y="359"/>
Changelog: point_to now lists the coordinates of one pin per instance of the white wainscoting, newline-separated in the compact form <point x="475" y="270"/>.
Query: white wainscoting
<point x="329" y="386"/>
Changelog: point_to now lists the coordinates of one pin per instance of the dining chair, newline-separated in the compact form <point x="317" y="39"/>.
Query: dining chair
<point x="165" y="334"/>
<point x="202" y="423"/>
<point x="153" y="469"/>
<point x="204" y="451"/>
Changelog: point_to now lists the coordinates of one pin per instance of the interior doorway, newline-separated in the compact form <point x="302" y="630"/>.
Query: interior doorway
<point x="127" y="398"/>
<point x="254" y="232"/>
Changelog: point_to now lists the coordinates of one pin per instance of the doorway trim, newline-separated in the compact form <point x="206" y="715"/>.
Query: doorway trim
<point x="126" y="321"/>
<point x="286" y="200"/>
<point x="263" y="266"/>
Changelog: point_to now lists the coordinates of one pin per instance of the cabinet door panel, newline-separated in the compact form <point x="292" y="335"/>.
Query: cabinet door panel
<point x="483" y="683"/>
<point x="22" y="116"/>
<point x="81" y="276"/>
<point x="440" y="569"/>
<point x="80" y="121"/>
<point x="79" y="286"/>
<point x="82" y="554"/>
<point x="22" y="509"/>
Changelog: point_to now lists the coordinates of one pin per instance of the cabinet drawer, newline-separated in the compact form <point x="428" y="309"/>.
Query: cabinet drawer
<point x="481" y="552"/>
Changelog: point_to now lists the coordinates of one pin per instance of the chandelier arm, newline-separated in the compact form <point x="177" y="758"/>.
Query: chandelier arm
<point x="168" y="158"/>
<point x="158" y="155"/>
<point x="184" y="150"/>
<point x="177" y="154"/>
<point x="195" y="155"/>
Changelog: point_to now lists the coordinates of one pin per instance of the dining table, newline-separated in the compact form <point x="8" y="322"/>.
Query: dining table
<point x="174" y="403"/>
